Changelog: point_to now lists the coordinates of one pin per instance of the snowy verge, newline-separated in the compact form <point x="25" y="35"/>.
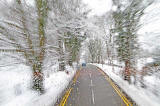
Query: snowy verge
<point x="141" y="96"/>
<point x="15" y="87"/>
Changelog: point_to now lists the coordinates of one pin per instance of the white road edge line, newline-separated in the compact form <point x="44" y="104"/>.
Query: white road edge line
<point x="91" y="83"/>
<point x="93" y="96"/>
<point x="92" y="93"/>
<point x="90" y="75"/>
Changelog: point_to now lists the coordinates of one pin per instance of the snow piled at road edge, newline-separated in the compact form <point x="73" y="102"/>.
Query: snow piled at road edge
<point x="15" y="87"/>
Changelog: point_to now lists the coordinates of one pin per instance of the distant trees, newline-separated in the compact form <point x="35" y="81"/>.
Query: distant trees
<point x="92" y="50"/>
<point x="69" y="23"/>
<point x="108" y="24"/>
<point x="73" y="45"/>
<point x="96" y="49"/>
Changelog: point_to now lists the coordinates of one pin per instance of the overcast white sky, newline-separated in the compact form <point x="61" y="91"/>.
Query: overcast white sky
<point x="98" y="7"/>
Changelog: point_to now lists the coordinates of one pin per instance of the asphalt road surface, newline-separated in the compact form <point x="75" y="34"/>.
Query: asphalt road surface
<point x="92" y="89"/>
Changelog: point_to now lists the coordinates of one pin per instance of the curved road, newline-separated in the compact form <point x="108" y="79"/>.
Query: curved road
<point x="92" y="89"/>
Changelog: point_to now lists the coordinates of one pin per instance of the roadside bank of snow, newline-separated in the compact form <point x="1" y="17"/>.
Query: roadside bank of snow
<point x="141" y="96"/>
<point x="15" y="87"/>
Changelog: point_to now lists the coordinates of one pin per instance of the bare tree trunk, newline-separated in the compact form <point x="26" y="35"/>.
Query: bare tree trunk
<point x="42" y="9"/>
<point x="127" y="71"/>
<point x="70" y="62"/>
<point x="38" y="78"/>
<point x="61" y="55"/>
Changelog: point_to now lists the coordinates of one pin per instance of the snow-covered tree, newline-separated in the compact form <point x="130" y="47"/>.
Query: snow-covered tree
<point x="26" y="40"/>
<point x="35" y="34"/>
<point x="96" y="49"/>
<point x="68" y="27"/>
<point x="126" y="25"/>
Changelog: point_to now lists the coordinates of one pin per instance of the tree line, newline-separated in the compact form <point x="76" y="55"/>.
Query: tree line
<point x="120" y="33"/>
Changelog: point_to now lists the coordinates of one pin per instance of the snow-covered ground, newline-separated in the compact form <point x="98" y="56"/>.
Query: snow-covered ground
<point x="143" y="97"/>
<point x="15" y="89"/>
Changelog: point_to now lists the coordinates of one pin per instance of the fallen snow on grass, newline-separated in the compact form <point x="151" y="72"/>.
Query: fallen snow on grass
<point x="141" y="96"/>
<point x="15" y="89"/>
